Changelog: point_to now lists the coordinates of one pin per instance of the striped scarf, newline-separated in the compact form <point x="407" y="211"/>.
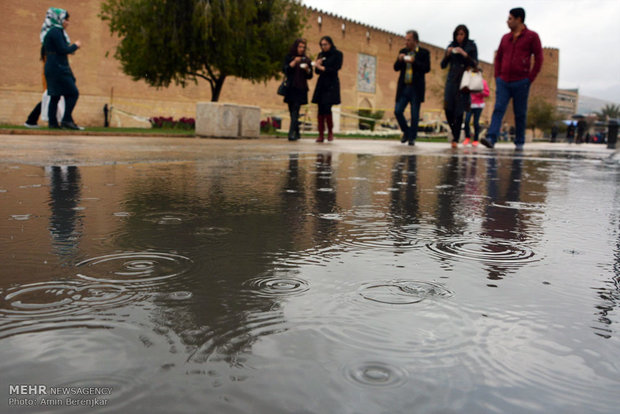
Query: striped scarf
<point x="54" y="18"/>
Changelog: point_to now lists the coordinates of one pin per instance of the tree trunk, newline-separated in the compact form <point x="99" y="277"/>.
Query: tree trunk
<point x="216" y="87"/>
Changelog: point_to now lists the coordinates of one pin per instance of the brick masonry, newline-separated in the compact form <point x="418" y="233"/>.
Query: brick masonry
<point x="101" y="80"/>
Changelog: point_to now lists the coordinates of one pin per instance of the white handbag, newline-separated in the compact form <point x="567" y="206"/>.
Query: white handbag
<point x="472" y="81"/>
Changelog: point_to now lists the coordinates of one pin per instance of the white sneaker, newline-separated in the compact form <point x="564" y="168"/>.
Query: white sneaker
<point x="31" y="126"/>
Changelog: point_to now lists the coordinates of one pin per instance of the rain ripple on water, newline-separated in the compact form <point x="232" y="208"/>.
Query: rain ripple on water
<point x="59" y="305"/>
<point x="402" y="292"/>
<point x="505" y="252"/>
<point x="134" y="267"/>
<point x="277" y="286"/>
<point x="169" y="218"/>
<point x="376" y="374"/>
<point x="60" y="298"/>
<point x="20" y="217"/>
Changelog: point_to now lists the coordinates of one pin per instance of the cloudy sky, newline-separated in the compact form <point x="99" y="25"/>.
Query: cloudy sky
<point x="587" y="32"/>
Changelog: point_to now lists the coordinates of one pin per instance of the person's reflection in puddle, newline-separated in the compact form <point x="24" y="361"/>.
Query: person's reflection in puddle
<point x="294" y="197"/>
<point x="448" y="192"/>
<point x="325" y="208"/>
<point x="65" y="220"/>
<point x="404" y="200"/>
<point x="502" y="222"/>
<point x="609" y="294"/>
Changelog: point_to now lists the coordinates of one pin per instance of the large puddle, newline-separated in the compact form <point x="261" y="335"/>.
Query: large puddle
<point x="314" y="283"/>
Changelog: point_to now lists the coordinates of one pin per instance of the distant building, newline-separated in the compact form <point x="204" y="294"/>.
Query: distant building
<point x="367" y="77"/>
<point x="567" y="102"/>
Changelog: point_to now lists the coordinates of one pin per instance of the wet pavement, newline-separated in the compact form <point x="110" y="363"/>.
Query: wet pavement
<point x="93" y="150"/>
<point x="359" y="276"/>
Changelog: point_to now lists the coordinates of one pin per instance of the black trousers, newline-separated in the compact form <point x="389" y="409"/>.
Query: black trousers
<point x="70" y="101"/>
<point x="71" y="93"/>
<point x="33" y="118"/>
<point x="455" y="105"/>
<point x="293" y="130"/>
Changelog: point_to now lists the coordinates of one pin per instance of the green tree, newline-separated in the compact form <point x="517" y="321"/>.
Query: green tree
<point x="540" y="114"/>
<point x="164" y="41"/>
<point x="608" y="111"/>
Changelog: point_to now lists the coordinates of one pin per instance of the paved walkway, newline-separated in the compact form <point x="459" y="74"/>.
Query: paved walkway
<point x="96" y="150"/>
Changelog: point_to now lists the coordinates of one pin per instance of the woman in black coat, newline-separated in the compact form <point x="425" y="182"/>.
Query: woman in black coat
<point x="297" y="69"/>
<point x="461" y="54"/>
<point x="58" y="74"/>
<point x="327" y="91"/>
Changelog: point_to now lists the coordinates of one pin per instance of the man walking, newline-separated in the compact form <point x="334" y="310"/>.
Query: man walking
<point x="514" y="74"/>
<point x="413" y="62"/>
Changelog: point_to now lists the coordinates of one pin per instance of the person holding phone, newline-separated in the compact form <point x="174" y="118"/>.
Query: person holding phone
<point x="413" y="63"/>
<point x="327" y="91"/>
<point x="297" y="69"/>
<point x="461" y="54"/>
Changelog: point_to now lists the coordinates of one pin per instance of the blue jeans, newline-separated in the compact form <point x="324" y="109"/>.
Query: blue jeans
<point x="408" y="97"/>
<point x="518" y="91"/>
<point x="476" y="112"/>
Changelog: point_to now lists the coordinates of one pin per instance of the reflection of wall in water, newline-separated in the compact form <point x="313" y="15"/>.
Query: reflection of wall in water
<point x="22" y="240"/>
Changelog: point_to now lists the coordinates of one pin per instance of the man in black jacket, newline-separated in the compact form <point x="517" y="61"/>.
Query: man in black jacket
<point x="413" y="62"/>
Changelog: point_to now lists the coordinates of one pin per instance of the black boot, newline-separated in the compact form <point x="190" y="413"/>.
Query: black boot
<point x="293" y="130"/>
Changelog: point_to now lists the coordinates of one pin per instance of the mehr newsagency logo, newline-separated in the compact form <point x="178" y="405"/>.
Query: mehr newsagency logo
<point x="24" y="395"/>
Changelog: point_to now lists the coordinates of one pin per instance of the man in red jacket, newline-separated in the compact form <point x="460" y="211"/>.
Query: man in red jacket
<point x="514" y="73"/>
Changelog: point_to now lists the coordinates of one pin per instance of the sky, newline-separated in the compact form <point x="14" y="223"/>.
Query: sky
<point x="587" y="32"/>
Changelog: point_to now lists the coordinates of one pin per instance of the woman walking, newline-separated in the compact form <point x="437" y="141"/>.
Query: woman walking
<point x="327" y="91"/>
<point x="460" y="55"/>
<point x="58" y="74"/>
<point x="297" y="69"/>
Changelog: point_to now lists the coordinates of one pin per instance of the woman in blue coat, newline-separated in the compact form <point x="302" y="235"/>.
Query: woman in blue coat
<point x="58" y="74"/>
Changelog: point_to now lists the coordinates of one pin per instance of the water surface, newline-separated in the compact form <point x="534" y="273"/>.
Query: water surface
<point x="316" y="282"/>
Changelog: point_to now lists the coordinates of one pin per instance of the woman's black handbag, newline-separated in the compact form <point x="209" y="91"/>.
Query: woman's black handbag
<point x="283" y="88"/>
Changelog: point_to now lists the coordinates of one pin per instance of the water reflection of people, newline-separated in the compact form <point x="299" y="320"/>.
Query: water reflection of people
<point x="610" y="297"/>
<point x="240" y="277"/>
<point x="294" y="197"/>
<point x="471" y="184"/>
<point x="446" y="197"/>
<point x="65" y="186"/>
<point x="404" y="203"/>
<point x="404" y="199"/>
<point x="502" y="223"/>
<point x="325" y="199"/>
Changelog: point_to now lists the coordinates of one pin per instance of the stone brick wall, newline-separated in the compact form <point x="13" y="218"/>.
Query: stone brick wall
<point x="101" y="80"/>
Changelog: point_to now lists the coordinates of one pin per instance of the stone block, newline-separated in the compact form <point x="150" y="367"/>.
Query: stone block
<point x="250" y="121"/>
<point x="219" y="120"/>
